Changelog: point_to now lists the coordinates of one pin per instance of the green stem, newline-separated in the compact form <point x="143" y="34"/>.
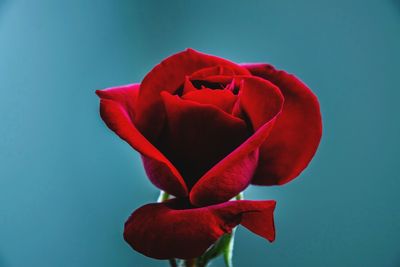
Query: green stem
<point x="240" y="196"/>
<point x="228" y="251"/>
<point x="163" y="196"/>
<point x="224" y="246"/>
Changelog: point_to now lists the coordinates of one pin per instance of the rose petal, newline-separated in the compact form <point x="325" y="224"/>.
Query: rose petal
<point x="262" y="102"/>
<point x="117" y="110"/>
<point x="124" y="95"/>
<point x="257" y="103"/>
<point x="210" y="71"/>
<point x="168" y="76"/>
<point x="224" y="99"/>
<point x="188" y="86"/>
<point x="296" y="134"/>
<point x="169" y="230"/>
<point x="198" y="136"/>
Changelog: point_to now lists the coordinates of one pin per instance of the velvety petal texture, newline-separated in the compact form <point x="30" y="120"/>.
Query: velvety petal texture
<point x="197" y="136"/>
<point x="297" y="131"/>
<point x="206" y="128"/>
<point x="169" y="76"/>
<point x="173" y="229"/>
<point x="117" y="109"/>
<point x="234" y="173"/>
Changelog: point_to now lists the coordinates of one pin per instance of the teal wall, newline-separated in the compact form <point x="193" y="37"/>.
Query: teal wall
<point x="67" y="183"/>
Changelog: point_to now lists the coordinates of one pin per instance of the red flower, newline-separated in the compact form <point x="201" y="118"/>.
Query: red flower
<point x="206" y="128"/>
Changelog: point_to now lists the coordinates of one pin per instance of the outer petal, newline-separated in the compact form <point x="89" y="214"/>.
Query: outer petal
<point x="117" y="110"/>
<point x="198" y="136"/>
<point x="296" y="134"/>
<point x="262" y="102"/>
<point x="169" y="230"/>
<point x="168" y="76"/>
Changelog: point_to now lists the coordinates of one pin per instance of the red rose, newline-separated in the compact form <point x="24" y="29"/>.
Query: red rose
<point x="206" y="128"/>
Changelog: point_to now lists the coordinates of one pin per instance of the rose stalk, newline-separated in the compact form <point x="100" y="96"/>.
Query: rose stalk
<point x="206" y="129"/>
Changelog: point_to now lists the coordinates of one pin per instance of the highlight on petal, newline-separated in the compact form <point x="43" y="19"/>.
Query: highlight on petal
<point x="197" y="136"/>
<point x="173" y="229"/>
<point x="297" y="131"/>
<point x="211" y="71"/>
<point x="262" y="102"/>
<point x="168" y="76"/>
<point x="117" y="109"/>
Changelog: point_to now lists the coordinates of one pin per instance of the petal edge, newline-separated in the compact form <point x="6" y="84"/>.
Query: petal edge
<point x="117" y="111"/>
<point x="297" y="131"/>
<point x="168" y="230"/>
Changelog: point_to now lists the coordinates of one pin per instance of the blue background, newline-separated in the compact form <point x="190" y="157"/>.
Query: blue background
<point x="67" y="183"/>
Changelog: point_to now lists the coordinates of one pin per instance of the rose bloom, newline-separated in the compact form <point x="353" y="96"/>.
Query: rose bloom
<point x="207" y="128"/>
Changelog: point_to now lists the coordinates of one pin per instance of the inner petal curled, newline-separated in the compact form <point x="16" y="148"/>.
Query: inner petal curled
<point x="197" y="136"/>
